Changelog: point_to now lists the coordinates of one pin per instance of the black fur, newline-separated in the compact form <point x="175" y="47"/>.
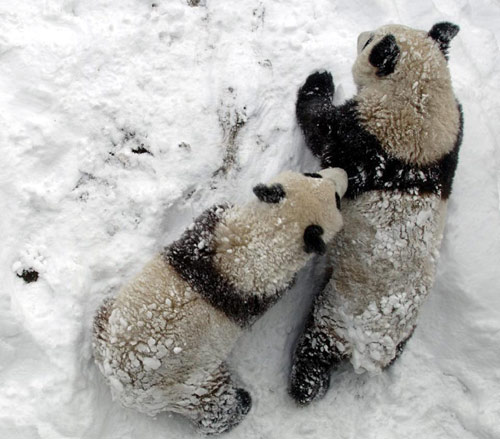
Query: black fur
<point x="270" y="194"/>
<point x="29" y="275"/>
<point x="313" y="241"/>
<point x="313" y="175"/>
<point x="384" y="55"/>
<point x="338" y="138"/>
<point x="314" y="359"/>
<point x="195" y="265"/>
<point x="443" y="33"/>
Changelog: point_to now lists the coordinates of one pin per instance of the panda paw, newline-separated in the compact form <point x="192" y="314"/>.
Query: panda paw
<point x="319" y="84"/>
<point x="308" y="382"/>
<point x="225" y="413"/>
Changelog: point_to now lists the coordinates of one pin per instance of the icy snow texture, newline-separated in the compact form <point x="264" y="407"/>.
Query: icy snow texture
<point x="211" y="90"/>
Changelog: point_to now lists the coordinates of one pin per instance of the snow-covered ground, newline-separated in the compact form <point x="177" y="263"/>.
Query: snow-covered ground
<point x="120" y="121"/>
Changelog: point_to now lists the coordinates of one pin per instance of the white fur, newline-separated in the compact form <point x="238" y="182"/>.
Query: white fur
<point x="384" y="262"/>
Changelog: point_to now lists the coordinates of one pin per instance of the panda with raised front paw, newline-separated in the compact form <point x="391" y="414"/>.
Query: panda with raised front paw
<point x="398" y="139"/>
<point x="162" y="342"/>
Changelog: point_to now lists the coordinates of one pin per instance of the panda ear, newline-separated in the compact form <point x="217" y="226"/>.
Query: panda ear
<point x="313" y="243"/>
<point x="269" y="194"/>
<point x="443" y="33"/>
<point x="384" y="55"/>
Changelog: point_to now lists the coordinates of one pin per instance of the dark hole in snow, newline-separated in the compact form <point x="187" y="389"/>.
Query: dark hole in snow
<point x="29" y="275"/>
<point x="141" y="150"/>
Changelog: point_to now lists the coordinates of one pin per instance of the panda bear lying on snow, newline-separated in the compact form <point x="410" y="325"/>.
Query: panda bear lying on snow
<point x="162" y="341"/>
<point x="398" y="140"/>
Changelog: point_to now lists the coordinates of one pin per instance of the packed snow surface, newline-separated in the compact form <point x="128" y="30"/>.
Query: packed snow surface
<point x="122" y="121"/>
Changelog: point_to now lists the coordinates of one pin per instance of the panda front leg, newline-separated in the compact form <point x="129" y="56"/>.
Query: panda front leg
<point x="315" y="356"/>
<point x="221" y="405"/>
<point x="315" y="111"/>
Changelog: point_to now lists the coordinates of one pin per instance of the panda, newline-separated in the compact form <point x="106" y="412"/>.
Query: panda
<point x="398" y="139"/>
<point x="162" y="342"/>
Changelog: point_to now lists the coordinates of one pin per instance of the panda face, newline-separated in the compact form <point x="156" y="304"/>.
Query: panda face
<point x="400" y="54"/>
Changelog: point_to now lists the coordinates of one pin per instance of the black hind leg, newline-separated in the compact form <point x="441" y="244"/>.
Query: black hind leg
<point x="315" y="111"/>
<point x="316" y="355"/>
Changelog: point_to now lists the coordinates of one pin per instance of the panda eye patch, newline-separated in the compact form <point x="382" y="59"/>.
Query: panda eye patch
<point x="313" y="175"/>
<point x="384" y="55"/>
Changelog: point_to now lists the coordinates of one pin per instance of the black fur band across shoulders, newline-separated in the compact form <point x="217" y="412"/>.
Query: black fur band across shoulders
<point x="192" y="257"/>
<point x="347" y="144"/>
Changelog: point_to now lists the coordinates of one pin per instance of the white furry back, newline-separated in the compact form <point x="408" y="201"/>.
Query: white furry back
<point x="384" y="261"/>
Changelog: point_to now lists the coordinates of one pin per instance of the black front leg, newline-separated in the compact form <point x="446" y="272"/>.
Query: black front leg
<point x="314" y="359"/>
<point x="315" y="111"/>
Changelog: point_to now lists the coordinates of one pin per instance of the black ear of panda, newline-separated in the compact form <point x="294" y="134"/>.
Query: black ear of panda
<point x="313" y="243"/>
<point x="269" y="194"/>
<point x="384" y="55"/>
<point x="443" y="33"/>
<point x="313" y="175"/>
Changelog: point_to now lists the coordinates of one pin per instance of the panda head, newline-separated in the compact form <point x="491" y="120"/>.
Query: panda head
<point x="401" y="54"/>
<point x="307" y="203"/>
<point x="405" y="96"/>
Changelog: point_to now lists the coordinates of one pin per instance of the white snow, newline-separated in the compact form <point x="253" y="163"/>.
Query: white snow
<point x="210" y="90"/>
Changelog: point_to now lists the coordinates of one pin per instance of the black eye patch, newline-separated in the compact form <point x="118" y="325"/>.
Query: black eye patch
<point x="313" y="175"/>
<point x="270" y="194"/>
<point x="384" y="55"/>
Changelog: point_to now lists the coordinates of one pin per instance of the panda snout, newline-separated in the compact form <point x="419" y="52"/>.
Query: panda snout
<point x="339" y="177"/>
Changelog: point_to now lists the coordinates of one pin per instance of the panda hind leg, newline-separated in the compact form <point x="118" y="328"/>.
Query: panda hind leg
<point x="223" y="406"/>
<point x="316" y="355"/>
